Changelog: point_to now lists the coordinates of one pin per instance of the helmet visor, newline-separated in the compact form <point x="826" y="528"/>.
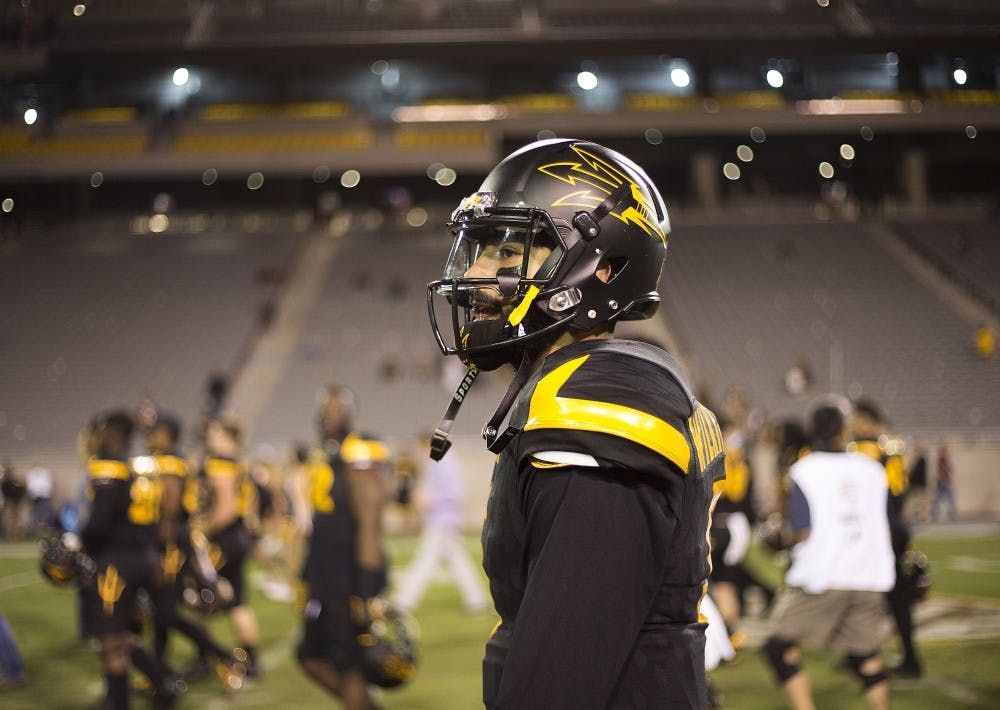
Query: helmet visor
<point x="528" y="247"/>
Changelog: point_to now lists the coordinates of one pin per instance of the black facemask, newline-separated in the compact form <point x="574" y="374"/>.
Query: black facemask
<point x="487" y="332"/>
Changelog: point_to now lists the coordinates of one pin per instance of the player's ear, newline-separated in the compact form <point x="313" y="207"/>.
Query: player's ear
<point x="603" y="271"/>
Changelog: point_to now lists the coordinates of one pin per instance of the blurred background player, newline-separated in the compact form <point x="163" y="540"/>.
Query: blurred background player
<point x="179" y="500"/>
<point x="121" y="537"/>
<point x="345" y="568"/>
<point x="869" y="437"/>
<point x="227" y="521"/>
<point x="841" y="567"/>
<point x="440" y="497"/>
<point x="731" y="532"/>
<point x="944" y="488"/>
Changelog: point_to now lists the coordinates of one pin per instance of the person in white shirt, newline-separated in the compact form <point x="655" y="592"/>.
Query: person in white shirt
<point x="39" y="483"/>
<point x="841" y="567"/>
<point x="441" y="498"/>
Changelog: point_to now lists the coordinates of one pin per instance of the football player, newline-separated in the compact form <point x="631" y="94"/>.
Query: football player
<point x="179" y="501"/>
<point x="345" y="568"/>
<point x="595" y="540"/>
<point x="868" y="434"/>
<point x="121" y="537"/>
<point x="226" y="521"/>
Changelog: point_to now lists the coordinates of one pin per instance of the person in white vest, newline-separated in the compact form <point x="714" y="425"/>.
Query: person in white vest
<point x="841" y="567"/>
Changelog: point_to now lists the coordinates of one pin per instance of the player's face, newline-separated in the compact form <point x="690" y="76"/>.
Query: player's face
<point x="334" y="418"/>
<point x="507" y="255"/>
<point x="158" y="439"/>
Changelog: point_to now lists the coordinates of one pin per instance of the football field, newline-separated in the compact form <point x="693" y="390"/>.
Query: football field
<point x="958" y="635"/>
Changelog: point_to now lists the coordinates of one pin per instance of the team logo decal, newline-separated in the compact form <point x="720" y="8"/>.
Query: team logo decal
<point x="595" y="179"/>
<point x="109" y="588"/>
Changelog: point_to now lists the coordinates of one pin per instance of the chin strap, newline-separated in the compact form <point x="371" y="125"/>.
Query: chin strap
<point x="439" y="442"/>
<point x="495" y="442"/>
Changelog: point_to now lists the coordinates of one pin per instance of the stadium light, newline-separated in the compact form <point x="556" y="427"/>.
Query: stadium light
<point x="960" y="76"/>
<point x="680" y="77"/>
<point x="775" y="79"/>
<point x="30" y="116"/>
<point x="181" y="76"/>
<point x="79" y="9"/>
<point x="587" y="80"/>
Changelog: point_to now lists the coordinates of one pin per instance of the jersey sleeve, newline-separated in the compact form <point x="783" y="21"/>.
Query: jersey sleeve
<point x="361" y="452"/>
<point x="585" y="599"/>
<point x="623" y="412"/>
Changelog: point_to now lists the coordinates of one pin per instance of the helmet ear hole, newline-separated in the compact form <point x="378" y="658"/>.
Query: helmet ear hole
<point x="615" y="265"/>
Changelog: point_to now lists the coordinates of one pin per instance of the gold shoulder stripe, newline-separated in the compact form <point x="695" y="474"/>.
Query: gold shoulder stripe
<point x="170" y="465"/>
<point x="869" y="448"/>
<point x="107" y="468"/>
<point x="539" y="464"/>
<point x="221" y="468"/>
<point x="706" y="434"/>
<point x="549" y="411"/>
<point x="358" y="450"/>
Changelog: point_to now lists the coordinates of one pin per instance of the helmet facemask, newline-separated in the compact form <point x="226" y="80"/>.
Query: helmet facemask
<point x="500" y="262"/>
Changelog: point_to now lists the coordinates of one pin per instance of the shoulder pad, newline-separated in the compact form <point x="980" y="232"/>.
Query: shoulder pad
<point x="869" y="448"/>
<point x="221" y="468"/>
<point x="170" y="465"/>
<point x="357" y="450"/>
<point x="584" y="397"/>
<point x="108" y="469"/>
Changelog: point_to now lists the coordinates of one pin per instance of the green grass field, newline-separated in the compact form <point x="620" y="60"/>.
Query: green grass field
<point x="63" y="673"/>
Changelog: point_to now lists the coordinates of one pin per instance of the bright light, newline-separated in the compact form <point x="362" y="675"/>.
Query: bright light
<point x="7" y="205"/>
<point x="79" y="9"/>
<point x="847" y="151"/>
<point x="823" y="3"/>
<point x="744" y="153"/>
<point x="826" y="170"/>
<point x="158" y="223"/>
<point x="587" y="80"/>
<point x="181" y="76"/>
<point x="30" y="116"/>
<point x="775" y="79"/>
<point x="445" y="177"/>
<point x="731" y="171"/>
<point x="680" y="77"/>
<point x="97" y="179"/>
<point x="255" y="180"/>
<point x="209" y="176"/>
<point x="960" y="76"/>
<point x="971" y="132"/>
<point x="350" y="178"/>
<point x="416" y="217"/>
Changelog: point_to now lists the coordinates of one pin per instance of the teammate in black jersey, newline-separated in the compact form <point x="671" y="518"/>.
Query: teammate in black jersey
<point x="345" y="568"/>
<point x="178" y="502"/>
<point x="595" y="540"/>
<point x="227" y="519"/>
<point x="121" y="537"/>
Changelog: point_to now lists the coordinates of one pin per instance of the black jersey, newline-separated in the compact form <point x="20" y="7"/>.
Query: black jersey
<point x="595" y="541"/>
<point x="218" y="468"/>
<point x="124" y="509"/>
<point x="331" y="567"/>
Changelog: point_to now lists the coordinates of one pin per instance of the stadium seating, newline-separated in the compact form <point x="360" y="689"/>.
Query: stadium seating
<point x="749" y="302"/>
<point x="94" y="318"/>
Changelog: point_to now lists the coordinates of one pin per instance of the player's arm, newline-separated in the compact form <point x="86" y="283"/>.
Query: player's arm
<point x="798" y="512"/>
<point x="299" y="491"/>
<point x="367" y="499"/>
<point x="223" y="511"/>
<point x="595" y="542"/>
<point x="170" y="506"/>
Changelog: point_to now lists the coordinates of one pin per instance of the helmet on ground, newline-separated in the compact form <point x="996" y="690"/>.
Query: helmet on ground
<point x="389" y="648"/>
<point x="563" y="235"/>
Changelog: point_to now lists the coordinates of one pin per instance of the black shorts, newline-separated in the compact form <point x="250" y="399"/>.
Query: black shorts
<point x="234" y="543"/>
<point x="329" y="634"/>
<point x="113" y="593"/>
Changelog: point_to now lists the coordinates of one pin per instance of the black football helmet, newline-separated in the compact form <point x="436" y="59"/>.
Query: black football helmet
<point x="389" y="647"/>
<point x="63" y="562"/>
<point x="590" y="209"/>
